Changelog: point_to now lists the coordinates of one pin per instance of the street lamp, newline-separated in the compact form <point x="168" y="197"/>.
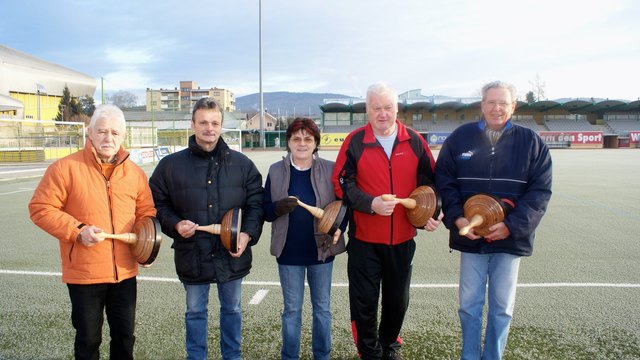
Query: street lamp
<point x="40" y="89"/>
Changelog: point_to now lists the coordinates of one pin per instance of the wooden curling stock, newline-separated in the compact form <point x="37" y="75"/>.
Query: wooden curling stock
<point x="315" y="211"/>
<point x="476" y="220"/>
<point x="129" y="238"/>
<point x="423" y="203"/>
<point x="483" y="211"/>
<point x="329" y="218"/>
<point x="145" y="241"/>
<point x="229" y="229"/>
<point x="408" y="203"/>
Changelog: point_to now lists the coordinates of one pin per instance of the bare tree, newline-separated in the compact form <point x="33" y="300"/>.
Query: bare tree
<point x="123" y="99"/>
<point x="537" y="87"/>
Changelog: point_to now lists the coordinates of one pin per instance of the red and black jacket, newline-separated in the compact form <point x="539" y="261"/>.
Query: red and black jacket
<point x="363" y="171"/>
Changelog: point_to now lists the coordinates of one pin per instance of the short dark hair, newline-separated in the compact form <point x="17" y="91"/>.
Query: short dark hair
<point x="206" y="103"/>
<point x="306" y="124"/>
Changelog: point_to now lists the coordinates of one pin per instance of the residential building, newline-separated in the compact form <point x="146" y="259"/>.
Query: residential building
<point x="184" y="97"/>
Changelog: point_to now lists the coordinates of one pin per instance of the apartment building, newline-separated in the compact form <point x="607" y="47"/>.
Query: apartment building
<point x="184" y="97"/>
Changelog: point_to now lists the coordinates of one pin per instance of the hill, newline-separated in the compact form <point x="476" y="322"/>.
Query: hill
<point x="286" y="103"/>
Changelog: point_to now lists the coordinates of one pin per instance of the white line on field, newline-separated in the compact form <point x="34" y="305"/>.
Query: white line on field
<point x="21" y="171"/>
<point x="417" y="286"/>
<point x="16" y="191"/>
<point x="258" y="297"/>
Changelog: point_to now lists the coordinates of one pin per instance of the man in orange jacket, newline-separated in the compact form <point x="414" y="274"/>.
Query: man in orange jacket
<point x="81" y="195"/>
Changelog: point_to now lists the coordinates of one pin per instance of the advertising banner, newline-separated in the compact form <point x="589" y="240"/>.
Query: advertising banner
<point x="634" y="138"/>
<point x="437" y="138"/>
<point x="573" y="137"/>
<point x="332" y="139"/>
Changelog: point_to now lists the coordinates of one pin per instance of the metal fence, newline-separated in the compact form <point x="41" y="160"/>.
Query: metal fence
<point x="34" y="140"/>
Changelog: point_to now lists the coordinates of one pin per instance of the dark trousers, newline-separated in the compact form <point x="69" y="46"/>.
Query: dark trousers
<point x="88" y="303"/>
<point x="370" y="266"/>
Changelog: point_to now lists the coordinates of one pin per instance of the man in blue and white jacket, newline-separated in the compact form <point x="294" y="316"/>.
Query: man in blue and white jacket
<point x="511" y="162"/>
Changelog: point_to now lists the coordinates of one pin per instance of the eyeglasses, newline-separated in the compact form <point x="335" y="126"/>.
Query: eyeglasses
<point x="305" y="140"/>
<point x="499" y="104"/>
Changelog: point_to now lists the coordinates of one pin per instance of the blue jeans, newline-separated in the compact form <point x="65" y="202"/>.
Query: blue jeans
<point x="292" y="282"/>
<point x="196" y="318"/>
<point x="501" y="272"/>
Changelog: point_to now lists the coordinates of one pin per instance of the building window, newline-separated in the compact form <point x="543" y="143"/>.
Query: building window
<point x="416" y="117"/>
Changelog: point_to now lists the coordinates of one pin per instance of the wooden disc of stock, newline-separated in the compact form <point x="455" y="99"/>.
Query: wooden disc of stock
<point x="489" y="207"/>
<point x="428" y="205"/>
<point x="230" y="229"/>
<point x="333" y="215"/>
<point x="149" y="238"/>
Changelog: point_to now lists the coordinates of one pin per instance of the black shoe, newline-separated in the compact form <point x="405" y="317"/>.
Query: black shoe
<point x="392" y="355"/>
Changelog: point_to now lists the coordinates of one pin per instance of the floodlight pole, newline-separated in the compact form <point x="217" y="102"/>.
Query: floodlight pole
<point x="262" y="143"/>
<point x="153" y="137"/>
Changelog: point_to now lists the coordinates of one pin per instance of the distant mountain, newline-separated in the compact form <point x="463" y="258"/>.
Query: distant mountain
<point x="286" y="103"/>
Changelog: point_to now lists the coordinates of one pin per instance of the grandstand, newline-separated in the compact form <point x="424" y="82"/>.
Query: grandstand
<point x="623" y="124"/>
<point x="568" y="123"/>
<point x="441" y="115"/>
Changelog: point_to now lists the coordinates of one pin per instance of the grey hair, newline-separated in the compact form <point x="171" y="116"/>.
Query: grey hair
<point x="382" y="89"/>
<point x="108" y="111"/>
<point x="500" y="85"/>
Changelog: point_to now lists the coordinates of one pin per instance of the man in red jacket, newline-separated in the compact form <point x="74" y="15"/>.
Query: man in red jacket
<point x="382" y="157"/>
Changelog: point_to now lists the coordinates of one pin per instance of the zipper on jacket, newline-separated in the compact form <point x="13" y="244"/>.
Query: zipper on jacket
<point x="391" y="192"/>
<point x="493" y="153"/>
<point x="113" y="245"/>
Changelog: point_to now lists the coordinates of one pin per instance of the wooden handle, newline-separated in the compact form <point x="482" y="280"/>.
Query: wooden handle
<point x="211" y="229"/>
<point x="408" y="203"/>
<point x="475" y="221"/>
<point x="315" y="211"/>
<point x="129" y="238"/>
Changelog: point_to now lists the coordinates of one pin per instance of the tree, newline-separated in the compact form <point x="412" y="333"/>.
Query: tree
<point x="88" y="105"/>
<point x="73" y="109"/>
<point x="531" y="97"/>
<point x="123" y="99"/>
<point x="68" y="107"/>
<point x="538" y="87"/>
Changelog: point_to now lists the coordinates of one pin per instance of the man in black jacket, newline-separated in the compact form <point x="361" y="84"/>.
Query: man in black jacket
<point x="197" y="186"/>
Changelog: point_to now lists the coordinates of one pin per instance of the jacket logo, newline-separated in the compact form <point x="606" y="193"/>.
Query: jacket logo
<point x="399" y="154"/>
<point x="466" y="155"/>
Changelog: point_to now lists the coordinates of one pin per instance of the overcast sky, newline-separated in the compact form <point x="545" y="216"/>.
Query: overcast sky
<point x="578" y="48"/>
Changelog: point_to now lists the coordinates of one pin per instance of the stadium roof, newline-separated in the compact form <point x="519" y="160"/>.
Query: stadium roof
<point x="23" y="73"/>
<point x="427" y="103"/>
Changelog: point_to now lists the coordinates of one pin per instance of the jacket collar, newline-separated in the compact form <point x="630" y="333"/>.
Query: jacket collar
<point x="289" y="162"/>
<point x="482" y="124"/>
<point x="91" y="154"/>
<point x="220" y="149"/>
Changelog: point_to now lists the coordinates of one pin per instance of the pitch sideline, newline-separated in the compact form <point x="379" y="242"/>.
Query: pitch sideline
<point x="415" y="286"/>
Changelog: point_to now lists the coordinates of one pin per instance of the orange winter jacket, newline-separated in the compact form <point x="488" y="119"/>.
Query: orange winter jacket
<point x="74" y="191"/>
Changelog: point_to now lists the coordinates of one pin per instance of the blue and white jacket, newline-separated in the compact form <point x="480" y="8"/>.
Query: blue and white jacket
<point x="517" y="168"/>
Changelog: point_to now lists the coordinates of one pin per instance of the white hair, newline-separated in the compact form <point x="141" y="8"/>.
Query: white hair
<point x="382" y="89"/>
<point x="108" y="111"/>
<point x="500" y="85"/>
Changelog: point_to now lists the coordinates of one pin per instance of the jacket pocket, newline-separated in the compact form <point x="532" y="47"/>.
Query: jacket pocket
<point x="187" y="259"/>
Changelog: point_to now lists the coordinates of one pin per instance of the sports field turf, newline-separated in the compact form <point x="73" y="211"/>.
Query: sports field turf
<point x="578" y="295"/>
